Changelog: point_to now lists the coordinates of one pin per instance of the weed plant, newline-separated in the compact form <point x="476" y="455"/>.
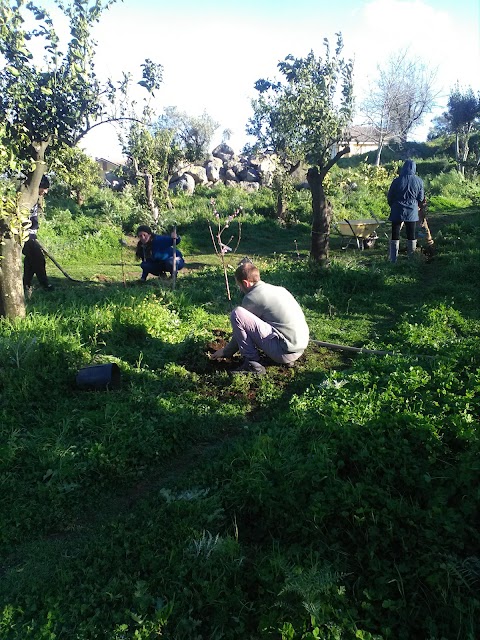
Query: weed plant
<point x="337" y="500"/>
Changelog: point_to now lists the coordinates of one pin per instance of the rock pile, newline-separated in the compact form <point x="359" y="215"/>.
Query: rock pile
<point x="224" y="166"/>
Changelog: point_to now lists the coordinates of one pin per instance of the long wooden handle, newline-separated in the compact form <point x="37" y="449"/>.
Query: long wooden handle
<point x="56" y="264"/>
<point x="342" y="347"/>
<point x="174" y="265"/>
<point x="375" y="352"/>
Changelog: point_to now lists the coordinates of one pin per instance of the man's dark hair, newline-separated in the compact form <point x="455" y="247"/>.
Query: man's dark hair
<point x="44" y="183"/>
<point x="247" y="271"/>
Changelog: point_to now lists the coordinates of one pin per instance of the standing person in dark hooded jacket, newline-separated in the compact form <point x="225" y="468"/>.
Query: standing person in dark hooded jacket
<point x="34" y="263"/>
<point x="405" y="194"/>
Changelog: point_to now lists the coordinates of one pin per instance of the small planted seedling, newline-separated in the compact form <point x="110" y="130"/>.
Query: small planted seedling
<point x="221" y="246"/>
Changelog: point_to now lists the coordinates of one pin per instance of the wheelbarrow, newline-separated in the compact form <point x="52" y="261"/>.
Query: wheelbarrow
<point x="361" y="233"/>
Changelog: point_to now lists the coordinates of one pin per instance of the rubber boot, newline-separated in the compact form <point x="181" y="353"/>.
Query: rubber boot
<point x="411" y="248"/>
<point x="394" y="247"/>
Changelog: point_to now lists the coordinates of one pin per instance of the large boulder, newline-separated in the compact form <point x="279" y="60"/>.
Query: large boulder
<point x="249" y="186"/>
<point x="213" y="171"/>
<point x="248" y="174"/>
<point x="230" y="175"/>
<point x="265" y="165"/>
<point x="185" y="183"/>
<point x="223" y="152"/>
<point x="198" y="173"/>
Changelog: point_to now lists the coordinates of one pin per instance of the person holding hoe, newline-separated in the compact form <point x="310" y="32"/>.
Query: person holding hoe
<point x="405" y="195"/>
<point x="268" y="320"/>
<point x="156" y="252"/>
<point x="34" y="263"/>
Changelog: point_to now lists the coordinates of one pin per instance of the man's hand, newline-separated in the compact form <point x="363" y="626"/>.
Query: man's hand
<point x="219" y="353"/>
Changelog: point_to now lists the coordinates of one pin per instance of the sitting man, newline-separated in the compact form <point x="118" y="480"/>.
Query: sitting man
<point x="156" y="252"/>
<point x="269" y="319"/>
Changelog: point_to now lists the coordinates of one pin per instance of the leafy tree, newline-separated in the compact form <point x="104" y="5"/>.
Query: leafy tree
<point x="47" y="103"/>
<point x="304" y="119"/>
<point x="402" y="94"/>
<point x="440" y="127"/>
<point x="283" y="189"/>
<point x="153" y="156"/>
<point x="192" y="135"/>
<point x="155" y="152"/>
<point x="463" y="116"/>
<point x="77" y="171"/>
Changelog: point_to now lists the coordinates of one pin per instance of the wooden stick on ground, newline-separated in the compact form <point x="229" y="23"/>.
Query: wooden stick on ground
<point x="341" y="347"/>
<point x="376" y="352"/>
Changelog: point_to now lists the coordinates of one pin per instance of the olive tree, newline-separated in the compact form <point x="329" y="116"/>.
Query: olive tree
<point x="191" y="134"/>
<point x="77" y="171"/>
<point x="152" y="156"/>
<point x="47" y="102"/>
<point x="462" y="115"/>
<point x="305" y="119"/>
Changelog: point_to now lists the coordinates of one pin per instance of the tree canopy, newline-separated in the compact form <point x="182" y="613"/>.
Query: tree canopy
<point x="191" y="134"/>
<point x="305" y="118"/>
<point x="462" y="116"/>
<point x="55" y="100"/>
<point x="152" y="155"/>
<point x="48" y="101"/>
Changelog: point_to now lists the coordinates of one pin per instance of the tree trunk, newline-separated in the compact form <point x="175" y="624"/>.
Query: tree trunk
<point x="465" y="151"/>
<point x="321" y="211"/>
<point x="281" y="208"/>
<point x="148" y="178"/>
<point x="79" y="197"/>
<point x="12" y="300"/>
<point x="379" y="153"/>
<point x="457" y="152"/>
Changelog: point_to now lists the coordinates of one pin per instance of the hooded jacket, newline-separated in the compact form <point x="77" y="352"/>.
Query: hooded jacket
<point x="404" y="194"/>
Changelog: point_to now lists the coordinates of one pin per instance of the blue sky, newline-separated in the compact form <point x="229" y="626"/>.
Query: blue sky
<point x="214" y="51"/>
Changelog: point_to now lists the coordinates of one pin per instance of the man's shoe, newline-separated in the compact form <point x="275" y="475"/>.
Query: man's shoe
<point x="250" y="366"/>
<point x="28" y="292"/>
<point x="48" y="287"/>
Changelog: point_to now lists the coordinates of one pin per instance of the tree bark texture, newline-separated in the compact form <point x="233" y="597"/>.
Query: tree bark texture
<point x="149" y="193"/>
<point x="321" y="211"/>
<point x="12" y="300"/>
<point x="281" y="208"/>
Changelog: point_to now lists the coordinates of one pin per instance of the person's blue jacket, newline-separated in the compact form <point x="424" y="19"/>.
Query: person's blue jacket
<point x="162" y="248"/>
<point x="405" y="193"/>
<point x="158" y="249"/>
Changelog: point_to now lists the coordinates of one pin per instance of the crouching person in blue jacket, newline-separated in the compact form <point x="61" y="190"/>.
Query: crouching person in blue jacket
<point x="156" y="252"/>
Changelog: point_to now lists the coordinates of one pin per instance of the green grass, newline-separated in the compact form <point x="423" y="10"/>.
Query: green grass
<point x="335" y="500"/>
